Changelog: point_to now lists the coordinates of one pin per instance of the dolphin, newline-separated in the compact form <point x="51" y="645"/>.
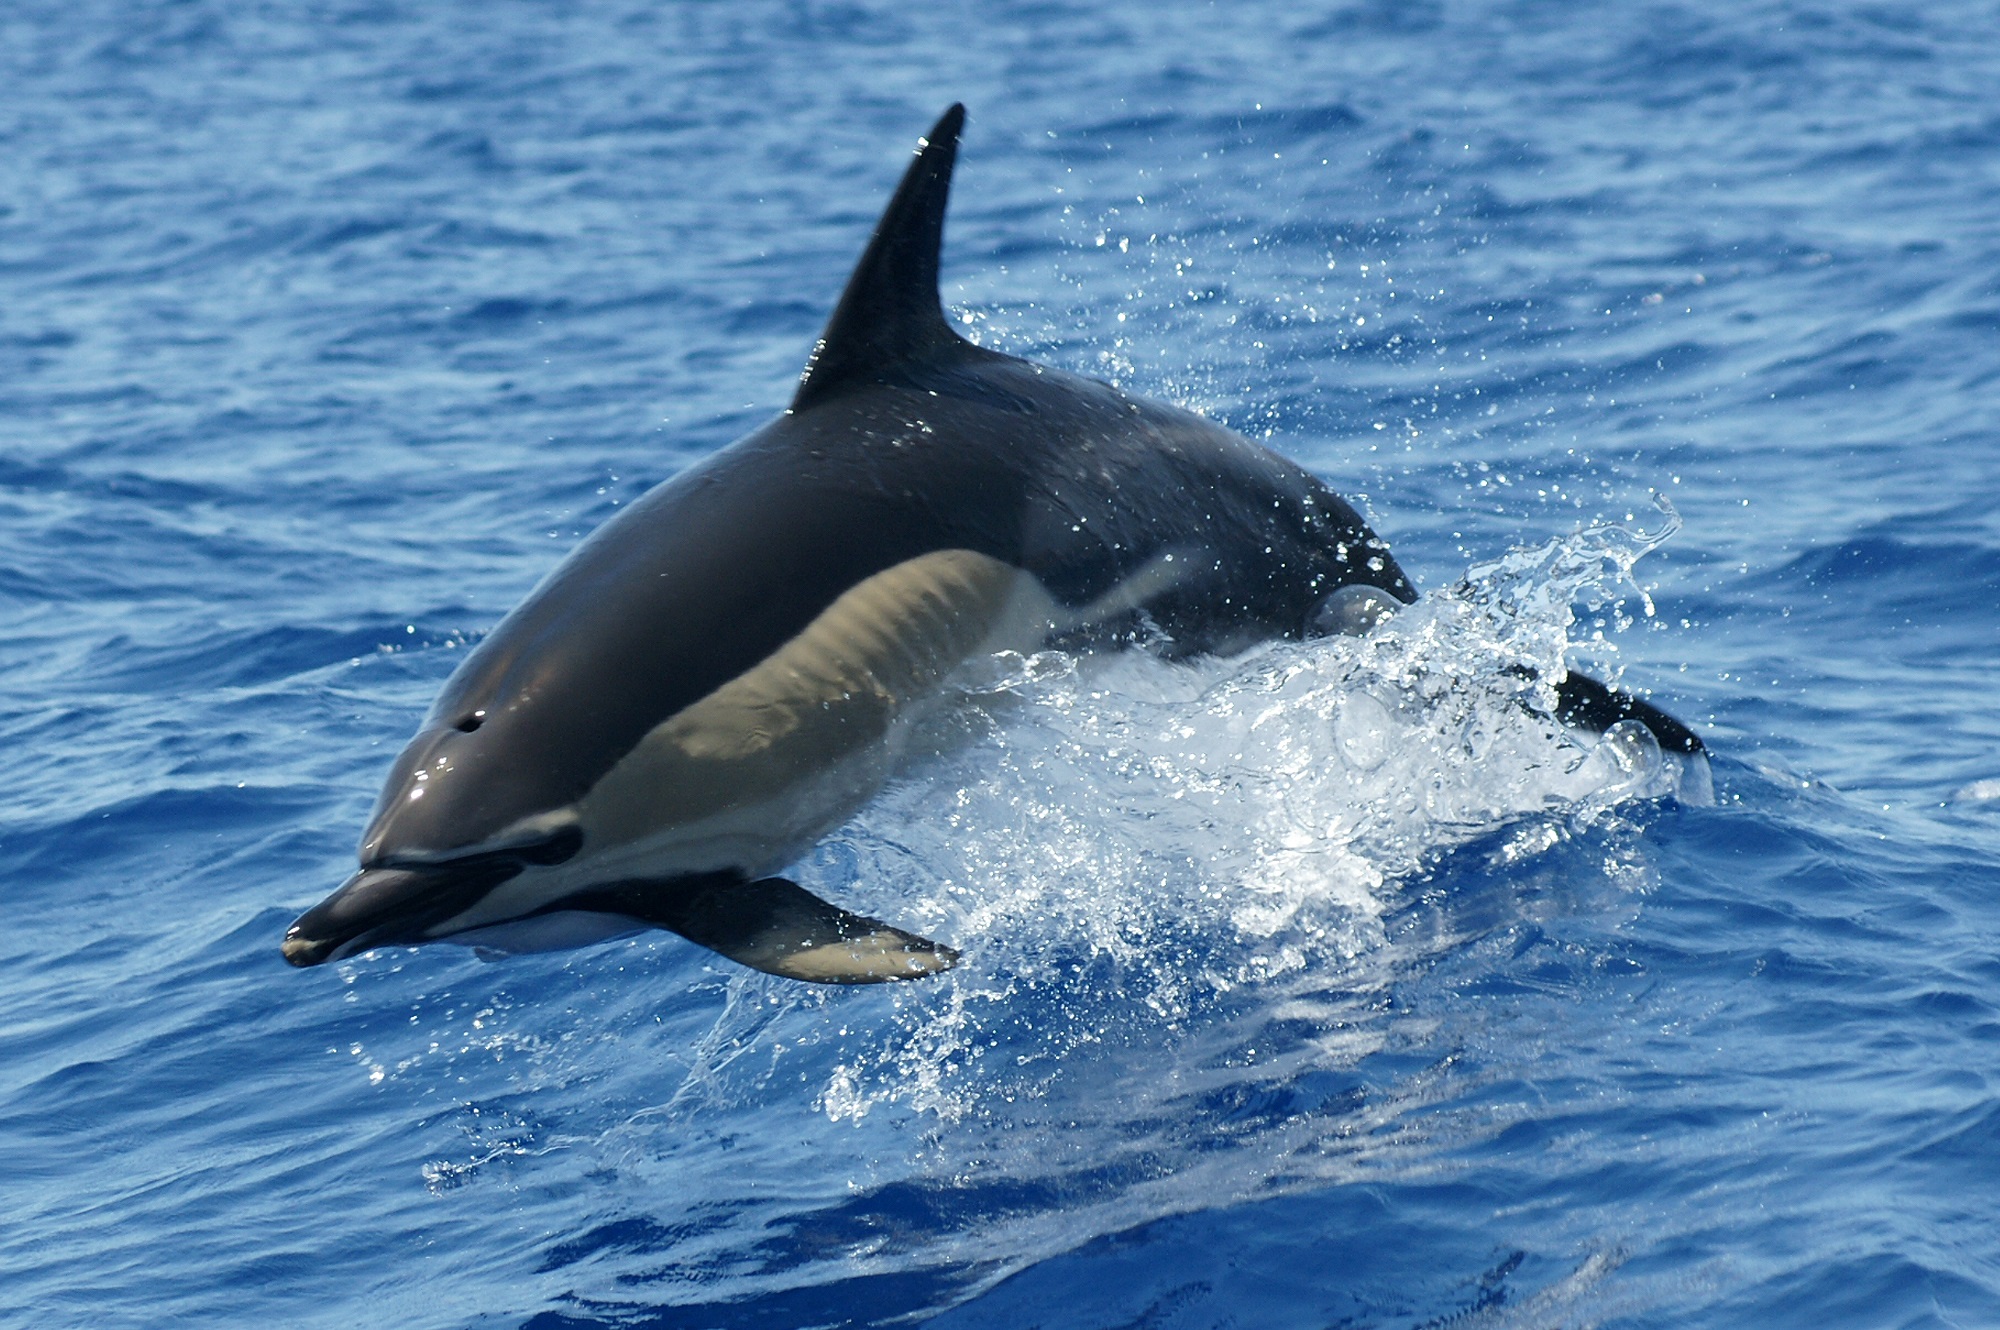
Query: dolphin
<point x="725" y="671"/>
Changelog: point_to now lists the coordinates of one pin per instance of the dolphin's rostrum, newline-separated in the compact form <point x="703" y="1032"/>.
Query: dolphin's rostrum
<point x="719" y="674"/>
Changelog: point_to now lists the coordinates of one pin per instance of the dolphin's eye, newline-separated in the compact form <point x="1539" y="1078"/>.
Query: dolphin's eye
<point x="468" y="723"/>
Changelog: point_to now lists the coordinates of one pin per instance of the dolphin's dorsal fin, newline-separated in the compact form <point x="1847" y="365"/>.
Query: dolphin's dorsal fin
<point x="889" y="317"/>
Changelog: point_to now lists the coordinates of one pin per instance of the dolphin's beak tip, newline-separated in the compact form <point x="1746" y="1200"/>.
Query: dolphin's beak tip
<point x="303" y="951"/>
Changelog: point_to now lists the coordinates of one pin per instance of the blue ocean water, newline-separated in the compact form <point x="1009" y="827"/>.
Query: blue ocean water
<point x="328" y="328"/>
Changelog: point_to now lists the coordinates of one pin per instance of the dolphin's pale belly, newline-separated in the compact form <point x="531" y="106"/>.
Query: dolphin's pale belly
<point x="751" y="775"/>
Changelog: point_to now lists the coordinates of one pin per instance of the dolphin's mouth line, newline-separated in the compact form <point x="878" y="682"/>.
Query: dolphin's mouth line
<point x="389" y="902"/>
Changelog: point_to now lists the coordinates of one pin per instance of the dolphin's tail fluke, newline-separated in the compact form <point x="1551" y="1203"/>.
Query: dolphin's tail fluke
<point x="1356" y="609"/>
<point x="1583" y="702"/>
<point x="1589" y="705"/>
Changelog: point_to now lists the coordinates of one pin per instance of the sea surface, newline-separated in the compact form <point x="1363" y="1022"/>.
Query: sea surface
<point x="1323" y="986"/>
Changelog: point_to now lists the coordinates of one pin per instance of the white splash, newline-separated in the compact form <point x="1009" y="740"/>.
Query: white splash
<point x="1131" y="841"/>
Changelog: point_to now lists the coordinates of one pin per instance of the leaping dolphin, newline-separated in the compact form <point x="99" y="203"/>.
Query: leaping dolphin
<point x="720" y="674"/>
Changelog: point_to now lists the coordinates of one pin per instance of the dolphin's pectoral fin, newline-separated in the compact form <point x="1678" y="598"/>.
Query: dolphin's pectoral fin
<point x="1587" y="704"/>
<point x="777" y="926"/>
